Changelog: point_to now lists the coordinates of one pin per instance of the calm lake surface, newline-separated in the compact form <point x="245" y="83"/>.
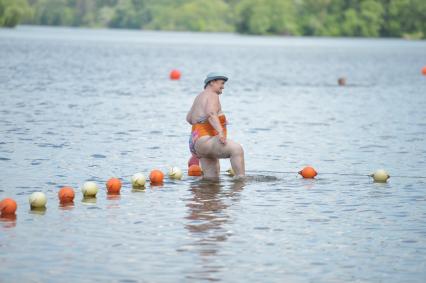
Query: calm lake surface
<point x="79" y="105"/>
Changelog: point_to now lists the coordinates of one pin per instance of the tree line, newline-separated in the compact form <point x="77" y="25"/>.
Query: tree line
<point x="364" y="18"/>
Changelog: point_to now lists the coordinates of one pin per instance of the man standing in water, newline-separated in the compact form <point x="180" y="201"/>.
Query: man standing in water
<point x="208" y="139"/>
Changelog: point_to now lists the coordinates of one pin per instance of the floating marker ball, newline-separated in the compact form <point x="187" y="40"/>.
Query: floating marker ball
<point x="156" y="177"/>
<point x="380" y="176"/>
<point x="38" y="200"/>
<point x="194" y="170"/>
<point x="193" y="161"/>
<point x="138" y="180"/>
<point x="89" y="189"/>
<point x="230" y="172"/>
<point x="175" y="75"/>
<point x="175" y="173"/>
<point x="8" y="207"/>
<point x="308" y="172"/>
<point x="424" y="70"/>
<point x="113" y="186"/>
<point x="66" y="195"/>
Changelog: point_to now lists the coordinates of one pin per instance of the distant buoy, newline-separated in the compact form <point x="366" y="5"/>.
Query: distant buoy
<point x="138" y="180"/>
<point x="341" y="81"/>
<point x="8" y="207"/>
<point x="424" y="70"/>
<point x="38" y="200"/>
<point x="308" y="172"/>
<point x="66" y="195"/>
<point x="380" y="176"/>
<point x="175" y="173"/>
<point x="156" y="177"/>
<point x="194" y="170"/>
<point x="193" y="161"/>
<point x="230" y="172"/>
<point x="89" y="189"/>
<point x="113" y="186"/>
<point x="175" y="75"/>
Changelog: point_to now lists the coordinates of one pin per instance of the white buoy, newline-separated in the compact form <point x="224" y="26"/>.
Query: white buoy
<point x="175" y="173"/>
<point x="89" y="189"/>
<point x="380" y="176"/>
<point x="38" y="200"/>
<point x="138" y="180"/>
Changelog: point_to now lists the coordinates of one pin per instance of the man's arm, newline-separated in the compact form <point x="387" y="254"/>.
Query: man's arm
<point x="212" y="108"/>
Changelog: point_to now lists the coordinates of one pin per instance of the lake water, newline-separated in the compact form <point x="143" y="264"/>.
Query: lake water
<point x="79" y="105"/>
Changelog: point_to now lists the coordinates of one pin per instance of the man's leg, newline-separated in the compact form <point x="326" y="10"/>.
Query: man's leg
<point x="211" y="167"/>
<point x="237" y="160"/>
<point x="212" y="148"/>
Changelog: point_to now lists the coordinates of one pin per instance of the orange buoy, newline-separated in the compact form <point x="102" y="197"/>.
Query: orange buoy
<point x="175" y="75"/>
<point x="424" y="70"/>
<point x="308" y="172"/>
<point x="156" y="177"/>
<point x="194" y="170"/>
<point x="8" y="206"/>
<point x="113" y="186"/>
<point x="193" y="161"/>
<point x="66" y="195"/>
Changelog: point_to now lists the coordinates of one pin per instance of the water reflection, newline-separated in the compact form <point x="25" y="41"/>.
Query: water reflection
<point x="113" y="196"/>
<point x="208" y="218"/>
<point x="114" y="200"/>
<point x="66" y="205"/>
<point x="38" y="210"/>
<point x="8" y="221"/>
<point x="138" y="189"/>
<point x="89" y="200"/>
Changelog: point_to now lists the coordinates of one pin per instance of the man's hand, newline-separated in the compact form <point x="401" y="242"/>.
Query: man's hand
<point x="222" y="138"/>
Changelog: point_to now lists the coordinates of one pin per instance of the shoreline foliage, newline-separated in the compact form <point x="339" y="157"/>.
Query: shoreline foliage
<point x="355" y="18"/>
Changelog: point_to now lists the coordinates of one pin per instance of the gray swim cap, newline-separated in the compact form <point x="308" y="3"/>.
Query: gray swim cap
<point x="214" y="76"/>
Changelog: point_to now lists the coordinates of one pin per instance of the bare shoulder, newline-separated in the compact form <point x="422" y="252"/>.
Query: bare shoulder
<point x="212" y="97"/>
<point x="212" y="103"/>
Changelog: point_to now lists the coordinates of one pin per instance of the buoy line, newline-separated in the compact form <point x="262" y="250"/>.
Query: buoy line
<point x="89" y="189"/>
<point x="329" y="173"/>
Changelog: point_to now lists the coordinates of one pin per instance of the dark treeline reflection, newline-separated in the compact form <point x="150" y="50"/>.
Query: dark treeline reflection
<point x="368" y="18"/>
<point x="208" y="218"/>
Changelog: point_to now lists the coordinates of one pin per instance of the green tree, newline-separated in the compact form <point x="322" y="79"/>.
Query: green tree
<point x="405" y="18"/>
<point x="266" y="16"/>
<point x="313" y="16"/>
<point x="53" y="12"/>
<point x="371" y="18"/>
<point x="13" y="11"/>
<point x="371" y="14"/>
<point x="194" y="15"/>
<point x="127" y="15"/>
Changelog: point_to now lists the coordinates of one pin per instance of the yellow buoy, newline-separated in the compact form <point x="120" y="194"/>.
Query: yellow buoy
<point x="230" y="172"/>
<point x="138" y="180"/>
<point x="380" y="176"/>
<point x="38" y="200"/>
<point x="175" y="173"/>
<point x="89" y="189"/>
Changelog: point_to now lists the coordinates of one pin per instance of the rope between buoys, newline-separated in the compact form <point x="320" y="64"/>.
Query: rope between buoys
<point x="321" y="173"/>
<point x="329" y="173"/>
